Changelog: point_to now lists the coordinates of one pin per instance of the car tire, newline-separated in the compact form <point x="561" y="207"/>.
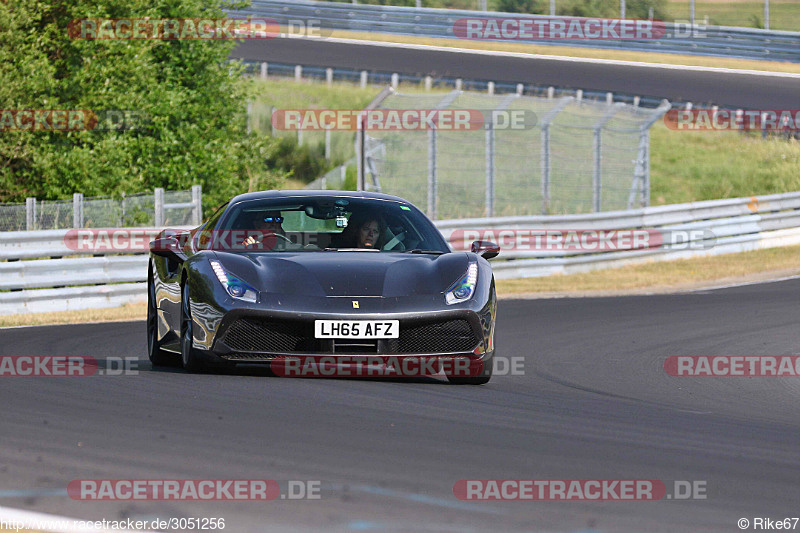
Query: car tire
<point x="480" y="379"/>
<point x="157" y="356"/>
<point x="189" y="357"/>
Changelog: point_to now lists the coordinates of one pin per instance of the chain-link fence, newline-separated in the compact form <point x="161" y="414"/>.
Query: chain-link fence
<point x="568" y="155"/>
<point x="156" y="209"/>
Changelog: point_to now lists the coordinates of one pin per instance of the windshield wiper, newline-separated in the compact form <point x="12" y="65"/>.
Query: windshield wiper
<point x="419" y="251"/>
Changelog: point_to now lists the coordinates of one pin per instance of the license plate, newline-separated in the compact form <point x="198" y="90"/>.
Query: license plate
<point x="357" y="329"/>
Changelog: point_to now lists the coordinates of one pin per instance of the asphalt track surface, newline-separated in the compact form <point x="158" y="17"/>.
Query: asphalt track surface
<point x="699" y="87"/>
<point x="594" y="403"/>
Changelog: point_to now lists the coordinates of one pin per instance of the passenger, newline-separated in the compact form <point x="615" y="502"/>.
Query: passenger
<point x="364" y="230"/>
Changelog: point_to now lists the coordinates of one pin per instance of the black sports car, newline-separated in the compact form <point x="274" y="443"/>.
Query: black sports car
<point x="322" y="283"/>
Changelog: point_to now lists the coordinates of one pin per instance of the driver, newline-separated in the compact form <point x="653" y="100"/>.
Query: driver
<point x="268" y="223"/>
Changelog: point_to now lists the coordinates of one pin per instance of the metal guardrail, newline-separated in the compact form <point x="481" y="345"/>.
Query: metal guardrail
<point x="738" y="225"/>
<point x="428" y="22"/>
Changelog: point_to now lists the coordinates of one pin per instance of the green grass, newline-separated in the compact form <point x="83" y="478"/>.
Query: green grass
<point x="784" y="14"/>
<point x="690" y="166"/>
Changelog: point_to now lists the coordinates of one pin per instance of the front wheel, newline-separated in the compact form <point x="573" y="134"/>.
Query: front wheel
<point x="481" y="378"/>
<point x="191" y="361"/>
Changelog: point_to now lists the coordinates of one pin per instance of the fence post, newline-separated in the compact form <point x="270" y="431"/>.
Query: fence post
<point x="490" y="151"/>
<point x="122" y="218"/>
<point x="197" y="200"/>
<point x="158" y="204"/>
<point x="327" y="145"/>
<point x="77" y="210"/>
<point x="545" y="150"/>
<point x="30" y="214"/>
<point x="249" y="116"/>
<point x="432" y="181"/>
<point x="490" y="168"/>
<point x="597" y="180"/>
<point x="597" y="143"/>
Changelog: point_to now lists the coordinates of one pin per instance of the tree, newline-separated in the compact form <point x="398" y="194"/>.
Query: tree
<point x="189" y="99"/>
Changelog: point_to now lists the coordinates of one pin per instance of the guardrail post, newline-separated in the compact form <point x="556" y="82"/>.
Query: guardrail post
<point x="428" y="83"/>
<point x="298" y="73"/>
<point x="395" y="80"/>
<point x="77" y="210"/>
<point x="490" y="88"/>
<point x="158" y="207"/>
<point x="264" y="67"/>
<point x="197" y="200"/>
<point x="329" y="76"/>
<point x="459" y="84"/>
<point x="363" y="79"/>
<point x="30" y="214"/>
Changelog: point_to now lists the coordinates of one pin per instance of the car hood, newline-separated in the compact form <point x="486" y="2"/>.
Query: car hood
<point x="385" y="274"/>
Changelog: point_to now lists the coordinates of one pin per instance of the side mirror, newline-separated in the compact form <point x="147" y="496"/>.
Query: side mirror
<point x="169" y="247"/>
<point x="485" y="249"/>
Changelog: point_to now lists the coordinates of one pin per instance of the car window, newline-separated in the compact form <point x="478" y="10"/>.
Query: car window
<point x="328" y="223"/>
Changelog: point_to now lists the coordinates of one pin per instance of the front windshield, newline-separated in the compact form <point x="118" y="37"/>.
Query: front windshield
<point x="326" y="223"/>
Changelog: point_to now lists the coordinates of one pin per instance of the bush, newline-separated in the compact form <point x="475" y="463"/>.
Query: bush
<point x="522" y="6"/>
<point x="193" y="99"/>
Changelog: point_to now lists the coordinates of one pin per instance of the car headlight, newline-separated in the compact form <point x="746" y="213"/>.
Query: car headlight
<point x="233" y="285"/>
<point x="463" y="289"/>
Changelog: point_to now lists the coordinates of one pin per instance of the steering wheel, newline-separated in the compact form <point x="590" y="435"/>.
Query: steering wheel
<point x="260" y="239"/>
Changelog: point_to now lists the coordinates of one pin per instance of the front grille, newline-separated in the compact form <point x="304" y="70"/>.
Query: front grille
<point x="290" y="336"/>
<point x="275" y="336"/>
<point x="250" y="357"/>
<point x="436" y="337"/>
